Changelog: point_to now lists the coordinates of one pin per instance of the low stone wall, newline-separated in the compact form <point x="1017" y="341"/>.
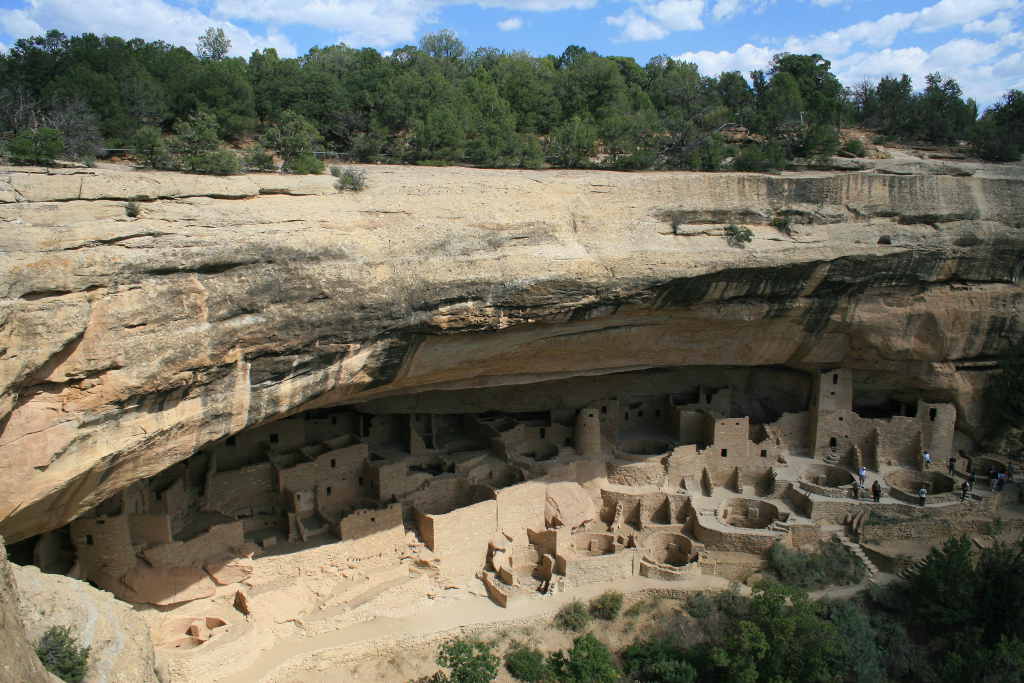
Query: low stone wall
<point x="667" y="573"/>
<point x="584" y="569"/>
<point x="717" y="536"/>
<point x="197" y="551"/>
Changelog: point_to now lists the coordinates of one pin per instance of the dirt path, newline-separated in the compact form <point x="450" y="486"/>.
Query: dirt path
<point x="440" y="617"/>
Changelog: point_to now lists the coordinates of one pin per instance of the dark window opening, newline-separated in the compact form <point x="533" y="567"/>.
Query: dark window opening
<point x="334" y="420"/>
<point x="328" y="490"/>
<point x="885" y="239"/>
<point x="334" y="462"/>
<point x="725" y="452"/>
<point x="543" y="432"/>
<point x="932" y="414"/>
<point x="640" y="414"/>
<point x="840" y="418"/>
<point x="274" y="438"/>
<point x="832" y="443"/>
<point x="764" y="452"/>
<point x="835" y="379"/>
<point x="373" y="519"/>
<point x="231" y="441"/>
<point x="657" y="413"/>
<point x="88" y="539"/>
<point x="360" y="481"/>
<point x="101" y="522"/>
<point x="604" y="410"/>
<point x="627" y="416"/>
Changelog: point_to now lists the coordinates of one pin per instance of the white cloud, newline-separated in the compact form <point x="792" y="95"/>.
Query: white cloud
<point x="826" y="3"/>
<point x="1001" y="23"/>
<point x="149" y="19"/>
<point x="655" y="20"/>
<point x="511" y="24"/>
<point x="746" y="58"/>
<point x="727" y="9"/>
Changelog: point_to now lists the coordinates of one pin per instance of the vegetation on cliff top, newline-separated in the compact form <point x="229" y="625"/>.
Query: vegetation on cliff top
<point x="439" y="103"/>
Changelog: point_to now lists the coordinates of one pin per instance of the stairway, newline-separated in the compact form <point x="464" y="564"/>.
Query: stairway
<point x="855" y="548"/>
<point x="832" y="458"/>
<point x="907" y="572"/>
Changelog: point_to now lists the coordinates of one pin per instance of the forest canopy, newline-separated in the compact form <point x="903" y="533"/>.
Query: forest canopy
<point x="439" y="103"/>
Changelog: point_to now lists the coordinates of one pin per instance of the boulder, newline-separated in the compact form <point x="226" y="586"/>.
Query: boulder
<point x="227" y="569"/>
<point x="168" y="585"/>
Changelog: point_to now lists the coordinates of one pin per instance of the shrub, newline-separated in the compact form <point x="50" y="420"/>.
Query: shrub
<point x="526" y="664"/>
<point x="738" y="235"/>
<point x="760" y="158"/>
<point x="470" y="661"/>
<point x="572" y="617"/>
<point x="304" y="164"/>
<point x="215" y="162"/>
<point x="39" y="146"/>
<point x="367" y="146"/>
<point x="607" y="605"/>
<point x="259" y="159"/>
<point x="60" y="653"/>
<point x="150" y="148"/>
<point x="589" y="661"/>
<point x="854" y="147"/>
<point x="783" y="224"/>
<point x="132" y="209"/>
<point x="349" y="178"/>
<point x="638" y="608"/>
<point x="657" y="660"/>
<point x="700" y="605"/>
<point x="834" y="565"/>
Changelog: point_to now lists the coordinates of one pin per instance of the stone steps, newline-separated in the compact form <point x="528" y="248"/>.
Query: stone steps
<point x="907" y="572"/>
<point x="859" y="553"/>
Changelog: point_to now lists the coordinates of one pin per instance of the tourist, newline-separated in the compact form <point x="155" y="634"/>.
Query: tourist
<point x="964" y="490"/>
<point x="952" y="465"/>
<point x="971" y="478"/>
<point x="927" y="457"/>
<point x="993" y="478"/>
<point x="876" y="491"/>
<point x="922" y="494"/>
<point x="863" y="474"/>
<point x="856" y="490"/>
<point x="1000" y="481"/>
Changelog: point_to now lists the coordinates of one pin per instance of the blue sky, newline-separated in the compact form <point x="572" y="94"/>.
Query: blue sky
<point x="979" y="42"/>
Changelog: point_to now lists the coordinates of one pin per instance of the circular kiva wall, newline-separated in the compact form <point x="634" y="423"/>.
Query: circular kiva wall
<point x="909" y="481"/>
<point x="645" y="446"/>
<point x="748" y="513"/>
<point x="674" y="550"/>
<point x="541" y="452"/>
<point x="827" y="475"/>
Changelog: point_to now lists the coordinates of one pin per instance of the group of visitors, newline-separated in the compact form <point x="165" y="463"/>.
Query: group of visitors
<point x="997" y="480"/>
<point x="861" y="483"/>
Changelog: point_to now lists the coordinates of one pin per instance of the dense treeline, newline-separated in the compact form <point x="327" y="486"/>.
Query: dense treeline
<point x="439" y="103"/>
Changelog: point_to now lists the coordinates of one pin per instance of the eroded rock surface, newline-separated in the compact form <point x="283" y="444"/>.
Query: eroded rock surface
<point x="126" y="344"/>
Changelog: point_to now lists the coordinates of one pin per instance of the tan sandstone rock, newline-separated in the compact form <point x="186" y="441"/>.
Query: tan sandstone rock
<point x="168" y="585"/>
<point x="128" y="344"/>
<point x="568" y="505"/>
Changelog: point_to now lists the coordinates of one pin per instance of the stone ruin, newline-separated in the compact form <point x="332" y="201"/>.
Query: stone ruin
<point x="664" y="486"/>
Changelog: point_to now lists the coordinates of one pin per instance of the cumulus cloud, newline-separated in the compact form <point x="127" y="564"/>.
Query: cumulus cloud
<point x="747" y="58"/>
<point x="149" y="19"/>
<point x="1001" y="23"/>
<point x="511" y="24"/>
<point x="655" y="20"/>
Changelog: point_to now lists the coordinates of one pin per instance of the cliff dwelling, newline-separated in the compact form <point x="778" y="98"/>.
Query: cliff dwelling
<point x="700" y="474"/>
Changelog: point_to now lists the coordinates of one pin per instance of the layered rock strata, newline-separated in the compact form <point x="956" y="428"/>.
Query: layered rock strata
<point x="127" y="343"/>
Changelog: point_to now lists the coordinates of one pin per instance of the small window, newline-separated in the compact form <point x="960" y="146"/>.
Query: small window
<point x="334" y="420"/>
<point x="88" y="539"/>
<point x="832" y="443"/>
<point x="274" y="438"/>
<point x="604" y="410"/>
<point x="101" y="522"/>
<point x="725" y="452"/>
<point x="831" y="393"/>
<point x="835" y="379"/>
<point x="627" y="416"/>
<point x="640" y="414"/>
<point x="231" y="441"/>
<point x="298" y="496"/>
<point x="334" y="463"/>
<point x="885" y="239"/>
<point x="328" y="490"/>
<point x="932" y="414"/>
<point x="360" y="481"/>
<point x="543" y="432"/>
<point x="764" y="452"/>
<point x="373" y="519"/>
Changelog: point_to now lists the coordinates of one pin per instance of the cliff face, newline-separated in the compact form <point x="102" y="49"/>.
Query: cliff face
<point x="126" y="344"/>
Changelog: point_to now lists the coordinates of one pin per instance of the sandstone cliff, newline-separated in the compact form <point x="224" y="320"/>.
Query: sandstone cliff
<point x="128" y="343"/>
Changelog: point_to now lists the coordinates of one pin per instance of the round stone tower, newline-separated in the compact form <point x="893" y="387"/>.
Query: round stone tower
<point x="588" y="433"/>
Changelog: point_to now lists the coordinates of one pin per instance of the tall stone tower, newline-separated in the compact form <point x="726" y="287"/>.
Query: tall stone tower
<point x="588" y="433"/>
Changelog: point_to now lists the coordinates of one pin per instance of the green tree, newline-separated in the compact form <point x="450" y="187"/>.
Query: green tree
<point x="573" y="143"/>
<point x="443" y="45"/>
<point x="36" y="146"/>
<point x="589" y="661"/>
<point x="295" y="139"/>
<point x="61" y="654"/>
<point x="469" y="661"/>
<point x="151" y="149"/>
<point x="213" y="45"/>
